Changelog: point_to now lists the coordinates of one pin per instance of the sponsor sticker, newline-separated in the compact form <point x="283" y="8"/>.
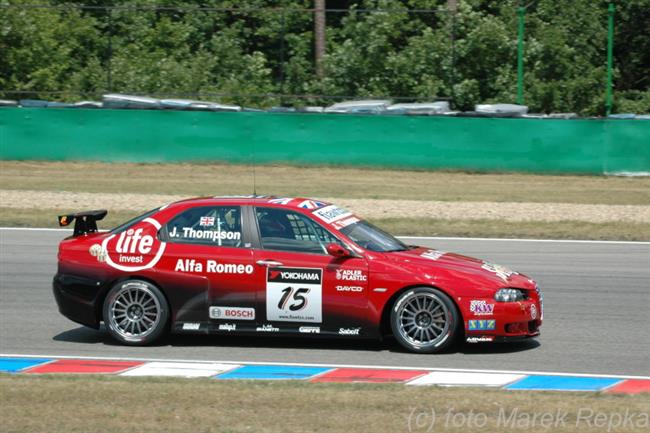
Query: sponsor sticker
<point x="309" y="329"/>
<point x="267" y="328"/>
<point x="349" y="331"/>
<point x="232" y="313"/>
<point x="331" y="213"/>
<point x="501" y="271"/>
<point x="483" y="339"/>
<point x="349" y="289"/>
<point x="212" y="267"/>
<point x="481" y="308"/>
<point x="294" y="294"/>
<point x="189" y="326"/>
<point x="481" y="325"/>
<point x="341" y="224"/>
<point x="533" y="312"/>
<point x="134" y="249"/>
<point x="97" y="251"/>
<point x="228" y="327"/>
<point x="351" y="275"/>
<point x="433" y="254"/>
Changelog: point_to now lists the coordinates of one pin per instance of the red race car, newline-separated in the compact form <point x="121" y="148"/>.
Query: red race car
<point x="267" y="265"/>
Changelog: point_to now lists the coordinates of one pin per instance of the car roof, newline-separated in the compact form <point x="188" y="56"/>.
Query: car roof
<point x="300" y="203"/>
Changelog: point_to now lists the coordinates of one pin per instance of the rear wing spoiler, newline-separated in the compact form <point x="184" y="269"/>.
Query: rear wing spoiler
<point x="85" y="222"/>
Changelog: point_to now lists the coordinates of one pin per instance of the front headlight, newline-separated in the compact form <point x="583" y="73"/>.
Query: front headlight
<point x="509" y="295"/>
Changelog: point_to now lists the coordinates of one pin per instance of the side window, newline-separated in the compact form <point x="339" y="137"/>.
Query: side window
<point x="284" y="230"/>
<point x="207" y="225"/>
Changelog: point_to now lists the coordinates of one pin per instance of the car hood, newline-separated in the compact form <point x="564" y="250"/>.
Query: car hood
<point x="432" y="263"/>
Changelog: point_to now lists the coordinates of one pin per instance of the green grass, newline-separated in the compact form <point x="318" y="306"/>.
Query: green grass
<point x="65" y="404"/>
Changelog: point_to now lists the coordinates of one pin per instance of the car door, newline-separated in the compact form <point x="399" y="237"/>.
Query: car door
<point x="209" y="244"/>
<point x="305" y="289"/>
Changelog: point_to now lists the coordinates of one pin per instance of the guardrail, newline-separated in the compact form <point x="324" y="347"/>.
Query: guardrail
<point x="603" y="146"/>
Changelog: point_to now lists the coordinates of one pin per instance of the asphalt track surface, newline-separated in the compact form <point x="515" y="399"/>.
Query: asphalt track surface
<point x="596" y="314"/>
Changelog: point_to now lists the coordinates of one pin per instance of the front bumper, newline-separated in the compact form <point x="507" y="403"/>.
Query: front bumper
<point x="508" y="321"/>
<point x="79" y="298"/>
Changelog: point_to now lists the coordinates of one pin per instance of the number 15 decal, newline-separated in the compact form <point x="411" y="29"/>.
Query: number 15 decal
<point x="294" y="295"/>
<point x="300" y="301"/>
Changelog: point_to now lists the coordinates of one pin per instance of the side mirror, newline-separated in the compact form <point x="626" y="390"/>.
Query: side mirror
<point x="337" y="250"/>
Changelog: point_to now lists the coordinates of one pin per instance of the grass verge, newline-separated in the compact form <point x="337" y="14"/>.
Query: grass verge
<point x="225" y="179"/>
<point x="528" y="229"/>
<point x="113" y="404"/>
<point x="11" y="217"/>
<point x="345" y="183"/>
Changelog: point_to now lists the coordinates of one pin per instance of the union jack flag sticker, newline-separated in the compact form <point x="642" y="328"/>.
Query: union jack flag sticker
<point x="206" y="221"/>
<point x="311" y="204"/>
<point x="283" y="200"/>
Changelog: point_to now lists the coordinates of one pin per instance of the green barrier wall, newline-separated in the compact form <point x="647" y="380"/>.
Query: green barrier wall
<point x="532" y="145"/>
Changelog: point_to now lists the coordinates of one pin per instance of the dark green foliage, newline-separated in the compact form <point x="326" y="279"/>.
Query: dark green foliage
<point x="263" y="50"/>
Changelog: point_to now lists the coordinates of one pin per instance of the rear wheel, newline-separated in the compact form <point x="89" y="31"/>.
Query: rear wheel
<point x="425" y="320"/>
<point x="135" y="312"/>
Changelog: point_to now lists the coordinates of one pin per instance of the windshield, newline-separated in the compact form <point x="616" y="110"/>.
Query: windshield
<point x="372" y="238"/>
<point x="130" y="222"/>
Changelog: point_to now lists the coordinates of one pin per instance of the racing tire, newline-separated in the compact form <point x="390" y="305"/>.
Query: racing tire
<point x="135" y="313"/>
<point x="425" y="320"/>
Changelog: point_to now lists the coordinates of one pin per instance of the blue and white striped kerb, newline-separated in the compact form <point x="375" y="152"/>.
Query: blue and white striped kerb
<point x="26" y="364"/>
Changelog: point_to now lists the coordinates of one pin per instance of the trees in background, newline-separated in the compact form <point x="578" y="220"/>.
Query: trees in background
<point x="261" y="50"/>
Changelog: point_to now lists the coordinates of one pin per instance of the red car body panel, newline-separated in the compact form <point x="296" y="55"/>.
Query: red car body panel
<point x="220" y="289"/>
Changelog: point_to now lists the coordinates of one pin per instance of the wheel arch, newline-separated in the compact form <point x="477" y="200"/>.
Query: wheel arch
<point x="384" y="324"/>
<point x="99" y="305"/>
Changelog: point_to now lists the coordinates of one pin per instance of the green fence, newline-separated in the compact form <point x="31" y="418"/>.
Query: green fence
<point x="529" y="145"/>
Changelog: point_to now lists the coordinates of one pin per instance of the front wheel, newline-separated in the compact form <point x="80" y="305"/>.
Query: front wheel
<point x="425" y="320"/>
<point x="135" y="312"/>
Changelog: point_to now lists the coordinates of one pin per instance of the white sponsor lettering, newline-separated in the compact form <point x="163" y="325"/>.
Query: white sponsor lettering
<point x="351" y="275"/>
<point x="309" y="329"/>
<point x="228" y="327"/>
<point x="212" y="266"/>
<point x="533" y="312"/>
<point x="300" y="276"/>
<point x="228" y="268"/>
<point x="331" y="213"/>
<point x="349" y="289"/>
<point x="188" y="265"/>
<point x="486" y="339"/>
<point x="131" y="241"/>
<point x="501" y="271"/>
<point x="211" y="235"/>
<point x="341" y="224"/>
<point x="349" y="331"/>
<point x="134" y="249"/>
<point x="433" y="254"/>
<point x="189" y="326"/>
<point x="267" y="328"/>
<point x="232" y="313"/>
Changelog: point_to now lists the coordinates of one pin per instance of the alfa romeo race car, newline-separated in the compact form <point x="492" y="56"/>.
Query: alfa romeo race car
<point x="267" y="265"/>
